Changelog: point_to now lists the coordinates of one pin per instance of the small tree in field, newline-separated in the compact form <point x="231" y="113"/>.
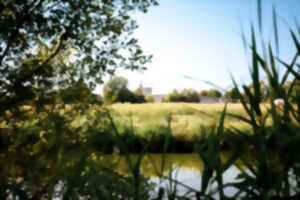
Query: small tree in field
<point x="116" y="90"/>
<point x="174" y="96"/>
<point x="189" y="95"/>
<point x="214" y="93"/>
<point x="203" y="93"/>
<point x="139" y="97"/>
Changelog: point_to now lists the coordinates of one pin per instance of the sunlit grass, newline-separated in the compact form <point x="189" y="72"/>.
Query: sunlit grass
<point x="187" y="118"/>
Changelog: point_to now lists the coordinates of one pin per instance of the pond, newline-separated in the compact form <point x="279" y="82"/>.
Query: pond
<point x="184" y="168"/>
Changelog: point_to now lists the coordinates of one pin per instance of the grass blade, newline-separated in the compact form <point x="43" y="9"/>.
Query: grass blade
<point x="259" y="13"/>
<point x="244" y="39"/>
<point x="272" y="63"/>
<point x="275" y="26"/>
<point x="290" y="67"/>
<point x="286" y="74"/>
<point x="295" y="41"/>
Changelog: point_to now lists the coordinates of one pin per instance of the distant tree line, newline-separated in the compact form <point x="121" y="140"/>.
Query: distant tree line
<point x="187" y="95"/>
<point x="116" y="90"/>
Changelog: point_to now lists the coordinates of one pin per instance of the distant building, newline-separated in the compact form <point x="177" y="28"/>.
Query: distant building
<point x="146" y="90"/>
<point x="216" y="100"/>
<point x="158" y="97"/>
<point x="209" y="99"/>
<point x="227" y="100"/>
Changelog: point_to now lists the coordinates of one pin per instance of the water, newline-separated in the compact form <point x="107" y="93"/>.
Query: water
<point x="184" y="168"/>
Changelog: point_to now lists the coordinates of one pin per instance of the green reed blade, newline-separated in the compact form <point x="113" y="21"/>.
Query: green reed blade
<point x="275" y="27"/>
<point x="295" y="41"/>
<point x="259" y="13"/>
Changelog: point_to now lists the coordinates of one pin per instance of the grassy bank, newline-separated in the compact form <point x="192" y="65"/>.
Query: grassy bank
<point x="147" y="125"/>
<point x="144" y="127"/>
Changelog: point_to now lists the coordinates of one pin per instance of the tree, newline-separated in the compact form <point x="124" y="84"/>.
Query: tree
<point x="213" y="93"/>
<point x="190" y="95"/>
<point x="139" y="97"/>
<point x="149" y="98"/>
<point x="47" y="46"/>
<point x="203" y="93"/>
<point x="95" y="31"/>
<point x="115" y="90"/>
<point x="174" y="96"/>
<point x="187" y="95"/>
<point x="78" y="92"/>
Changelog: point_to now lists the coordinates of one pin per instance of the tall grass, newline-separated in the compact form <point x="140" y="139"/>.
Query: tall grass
<point x="274" y="171"/>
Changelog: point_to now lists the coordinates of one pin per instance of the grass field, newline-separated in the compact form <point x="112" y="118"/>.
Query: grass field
<point x="186" y="118"/>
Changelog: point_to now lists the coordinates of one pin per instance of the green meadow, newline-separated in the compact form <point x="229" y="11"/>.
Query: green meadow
<point x="186" y="118"/>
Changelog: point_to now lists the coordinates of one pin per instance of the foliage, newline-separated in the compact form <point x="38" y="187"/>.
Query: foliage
<point x="116" y="90"/>
<point x="78" y="92"/>
<point x="174" y="96"/>
<point x="190" y="95"/>
<point x="56" y="151"/>
<point x="203" y="93"/>
<point x="37" y="33"/>
<point x="263" y="88"/>
<point x="149" y="98"/>
<point x="273" y="172"/>
<point x="43" y="158"/>
<point x="187" y="95"/>
<point x="214" y="93"/>
<point x="293" y="87"/>
<point x="232" y="93"/>
<point x="139" y="97"/>
<point x="57" y="50"/>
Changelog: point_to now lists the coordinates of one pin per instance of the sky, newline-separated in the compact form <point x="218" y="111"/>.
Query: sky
<point x="197" y="43"/>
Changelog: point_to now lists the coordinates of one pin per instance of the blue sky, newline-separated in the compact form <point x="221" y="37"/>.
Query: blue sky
<point x="202" y="39"/>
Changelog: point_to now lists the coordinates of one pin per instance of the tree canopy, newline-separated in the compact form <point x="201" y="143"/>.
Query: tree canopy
<point x="36" y="36"/>
<point x="203" y="93"/>
<point x="214" y="93"/>
<point x="190" y="95"/>
<point x="116" y="90"/>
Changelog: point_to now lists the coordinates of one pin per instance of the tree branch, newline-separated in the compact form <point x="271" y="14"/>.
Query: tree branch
<point x="25" y="13"/>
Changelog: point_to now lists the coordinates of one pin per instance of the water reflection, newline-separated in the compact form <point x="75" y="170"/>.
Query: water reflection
<point x="152" y="164"/>
<point x="185" y="168"/>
